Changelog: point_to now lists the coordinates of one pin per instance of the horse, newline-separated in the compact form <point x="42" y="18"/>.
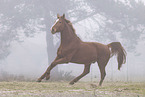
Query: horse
<point x="72" y="49"/>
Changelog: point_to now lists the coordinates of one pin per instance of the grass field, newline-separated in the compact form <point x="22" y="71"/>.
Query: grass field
<point x="63" y="89"/>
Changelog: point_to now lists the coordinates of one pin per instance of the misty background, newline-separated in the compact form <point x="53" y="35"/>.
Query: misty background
<point x="27" y="46"/>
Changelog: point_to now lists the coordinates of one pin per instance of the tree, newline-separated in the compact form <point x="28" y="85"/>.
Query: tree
<point x="26" y="17"/>
<point x="34" y="16"/>
<point x="126" y="20"/>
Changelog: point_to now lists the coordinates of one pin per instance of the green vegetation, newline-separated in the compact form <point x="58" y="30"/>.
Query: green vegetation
<point x="63" y="89"/>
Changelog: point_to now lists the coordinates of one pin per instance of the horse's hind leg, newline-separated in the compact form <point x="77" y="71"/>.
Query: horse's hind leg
<point x="85" y="72"/>
<point x="102" y="64"/>
<point x="103" y="74"/>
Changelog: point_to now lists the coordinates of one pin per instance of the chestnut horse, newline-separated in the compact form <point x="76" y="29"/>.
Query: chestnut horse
<point x="73" y="49"/>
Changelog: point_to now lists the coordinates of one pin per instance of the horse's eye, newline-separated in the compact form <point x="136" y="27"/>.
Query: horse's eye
<point x="59" y="22"/>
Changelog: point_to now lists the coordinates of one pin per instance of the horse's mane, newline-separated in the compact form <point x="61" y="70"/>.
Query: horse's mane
<point x="70" y="24"/>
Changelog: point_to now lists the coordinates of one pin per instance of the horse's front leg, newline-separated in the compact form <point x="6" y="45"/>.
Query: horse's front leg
<point x="53" y="64"/>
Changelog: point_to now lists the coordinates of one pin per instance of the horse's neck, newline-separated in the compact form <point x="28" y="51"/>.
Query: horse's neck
<point x="68" y="36"/>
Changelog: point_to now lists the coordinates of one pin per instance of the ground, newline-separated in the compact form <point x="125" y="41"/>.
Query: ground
<point x="80" y="89"/>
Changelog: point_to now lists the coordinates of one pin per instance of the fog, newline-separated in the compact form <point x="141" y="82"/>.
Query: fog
<point x="28" y="47"/>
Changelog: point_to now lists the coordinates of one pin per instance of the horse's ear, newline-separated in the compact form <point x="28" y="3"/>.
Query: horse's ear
<point x="58" y="16"/>
<point x="63" y="16"/>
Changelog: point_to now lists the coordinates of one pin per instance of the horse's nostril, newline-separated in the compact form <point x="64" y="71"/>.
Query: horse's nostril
<point x="52" y="29"/>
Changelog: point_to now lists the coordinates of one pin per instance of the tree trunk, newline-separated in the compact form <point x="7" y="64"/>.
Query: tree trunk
<point x="51" y="48"/>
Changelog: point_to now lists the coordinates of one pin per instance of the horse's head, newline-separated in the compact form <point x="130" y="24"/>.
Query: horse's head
<point x="58" y="26"/>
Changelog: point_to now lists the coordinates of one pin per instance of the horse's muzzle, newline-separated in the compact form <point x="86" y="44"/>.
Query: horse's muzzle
<point x="53" y="31"/>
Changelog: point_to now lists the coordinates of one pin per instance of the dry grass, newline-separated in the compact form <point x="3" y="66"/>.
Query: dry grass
<point x="63" y="89"/>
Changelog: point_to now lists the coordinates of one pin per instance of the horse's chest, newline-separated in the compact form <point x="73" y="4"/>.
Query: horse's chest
<point x="63" y="51"/>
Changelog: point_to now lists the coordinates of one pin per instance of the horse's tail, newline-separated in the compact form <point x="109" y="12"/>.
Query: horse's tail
<point x="117" y="49"/>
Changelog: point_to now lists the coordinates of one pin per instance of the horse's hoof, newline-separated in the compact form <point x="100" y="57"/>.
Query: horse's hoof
<point x="39" y="80"/>
<point x="71" y="83"/>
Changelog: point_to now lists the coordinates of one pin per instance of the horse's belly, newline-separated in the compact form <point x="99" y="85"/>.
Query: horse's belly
<point x="85" y="56"/>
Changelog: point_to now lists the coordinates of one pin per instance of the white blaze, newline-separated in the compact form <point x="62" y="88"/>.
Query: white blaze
<point x="54" y="23"/>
